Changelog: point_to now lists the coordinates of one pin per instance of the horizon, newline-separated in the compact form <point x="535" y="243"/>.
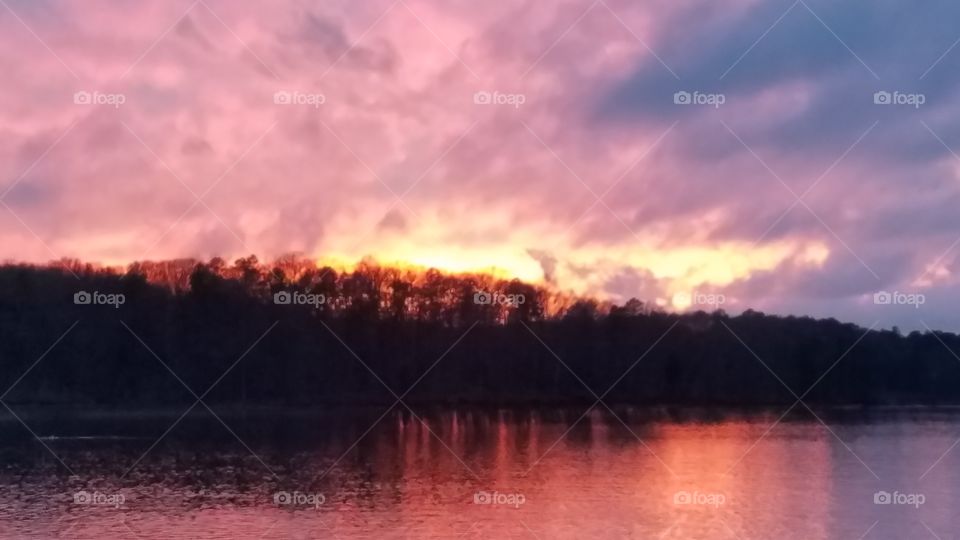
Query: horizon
<point x="643" y="164"/>
<point x="680" y="304"/>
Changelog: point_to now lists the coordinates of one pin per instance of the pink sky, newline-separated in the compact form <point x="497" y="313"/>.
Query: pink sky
<point x="584" y="172"/>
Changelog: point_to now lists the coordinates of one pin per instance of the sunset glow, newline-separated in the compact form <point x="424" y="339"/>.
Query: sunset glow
<point x="434" y="269"/>
<point x="557" y="151"/>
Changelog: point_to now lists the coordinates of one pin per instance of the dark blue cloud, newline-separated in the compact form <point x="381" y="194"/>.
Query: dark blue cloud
<point x="891" y="46"/>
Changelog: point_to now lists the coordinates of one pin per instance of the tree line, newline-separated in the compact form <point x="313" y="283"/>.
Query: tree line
<point x="292" y="333"/>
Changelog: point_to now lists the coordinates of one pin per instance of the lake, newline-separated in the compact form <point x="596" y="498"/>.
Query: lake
<point x="481" y="473"/>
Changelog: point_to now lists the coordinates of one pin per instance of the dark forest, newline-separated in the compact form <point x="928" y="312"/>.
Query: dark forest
<point x="290" y="333"/>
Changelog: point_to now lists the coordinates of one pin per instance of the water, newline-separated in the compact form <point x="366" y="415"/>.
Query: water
<point x="480" y="474"/>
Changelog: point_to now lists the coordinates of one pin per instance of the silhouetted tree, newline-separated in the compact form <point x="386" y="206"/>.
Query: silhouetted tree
<point x="201" y="319"/>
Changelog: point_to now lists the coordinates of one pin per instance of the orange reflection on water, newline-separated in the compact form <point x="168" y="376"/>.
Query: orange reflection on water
<point x="507" y="474"/>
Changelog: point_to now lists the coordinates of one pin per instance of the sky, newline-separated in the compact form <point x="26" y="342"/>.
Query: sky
<point x="793" y="157"/>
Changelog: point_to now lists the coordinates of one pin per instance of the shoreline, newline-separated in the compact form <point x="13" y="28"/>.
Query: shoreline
<point x="235" y="410"/>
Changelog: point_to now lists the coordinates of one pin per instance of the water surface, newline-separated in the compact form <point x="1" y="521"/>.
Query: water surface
<point x="474" y="473"/>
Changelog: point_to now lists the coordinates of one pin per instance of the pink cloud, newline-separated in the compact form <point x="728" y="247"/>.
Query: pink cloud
<point x="398" y="84"/>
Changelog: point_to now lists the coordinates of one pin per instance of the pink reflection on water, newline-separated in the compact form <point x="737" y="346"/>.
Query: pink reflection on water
<point x="511" y="475"/>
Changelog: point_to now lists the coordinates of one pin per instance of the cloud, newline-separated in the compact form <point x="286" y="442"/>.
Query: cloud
<point x="393" y="221"/>
<point x="597" y="182"/>
<point x="548" y="263"/>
